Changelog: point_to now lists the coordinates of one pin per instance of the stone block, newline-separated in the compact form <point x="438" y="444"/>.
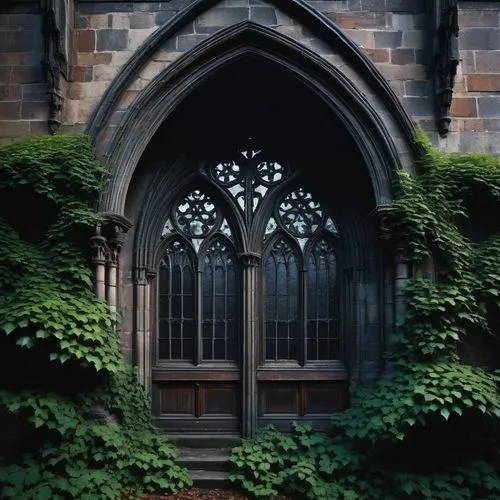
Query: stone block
<point x="105" y="72"/>
<point x="416" y="39"/>
<point x="353" y="20"/>
<point x="20" y="41"/>
<point x="10" y="92"/>
<point x="26" y="74"/>
<point x="467" y="61"/>
<point x="477" y="19"/>
<point x="85" y="40"/>
<point x="405" y="6"/>
<point x="10" y="110"/>
<point x="101" y="21"/>
<point x="403" y="56"/>
<point x="14" y="129"/>
<point x="263" y="15"/>
<point x="373" y="5"/>
<point x="34" y="110"/>
<point x="472" y="124"/>
<point x="388" y="39"/>
<point x="82" y="73"/>
<point x="492" y="124"/>
<point x="487" y="61"/>
<point x="472" y="142"/>
<point x="408" y="72"/>
<point x="94" y="58"/>
<point x="479" y="38"/>
<point x="483" y="83"/>
<point x="464" y="106"/>
<point x="418" y="106"/>
<point x="492" y="143"/>
<point x="187" y="42"/>
<point x="488" y="106"/>
<point x="35" y="92"/>
<point x="402" y="22"/>
<point x="13" y="59"/>
<point x="82" y="22"/>
<point x="104" y="7"/>
<point x="417" y="88"/>
<point x="364" y="38"/>
<point x="111" y="40"/>
<point x="141" y="20"/>
<point x="478" y="5"/>
<point x="378" y="55"/>
<point x="223" y="16"/>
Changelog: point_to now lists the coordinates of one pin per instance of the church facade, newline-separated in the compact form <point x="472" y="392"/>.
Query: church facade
<point x="251" y="146"/>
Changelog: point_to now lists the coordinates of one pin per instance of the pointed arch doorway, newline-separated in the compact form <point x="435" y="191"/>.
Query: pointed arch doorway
<point x="248" y="326"/>
<point x="265" y="279"/>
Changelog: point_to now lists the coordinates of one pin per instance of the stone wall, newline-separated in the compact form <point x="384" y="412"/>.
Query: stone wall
<point x="476" y="103"/>
<point x="23" y="99"/>
<point x="395" y="34"/>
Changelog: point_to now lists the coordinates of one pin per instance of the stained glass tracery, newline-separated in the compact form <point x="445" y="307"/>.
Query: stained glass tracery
<point x="299" y="270"/>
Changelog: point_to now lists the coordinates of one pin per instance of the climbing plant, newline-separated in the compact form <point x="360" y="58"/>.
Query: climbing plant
<point x="76" y="421"/>
<point x="430" y="428"/>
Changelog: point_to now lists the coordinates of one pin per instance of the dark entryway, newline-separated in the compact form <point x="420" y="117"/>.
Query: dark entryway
<point x="265" y="260"/>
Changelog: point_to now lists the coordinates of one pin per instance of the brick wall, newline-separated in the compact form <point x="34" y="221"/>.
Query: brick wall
<point x="394" y="34"/>
<point x="23" y="99"/>
<point x="476" y="104"/>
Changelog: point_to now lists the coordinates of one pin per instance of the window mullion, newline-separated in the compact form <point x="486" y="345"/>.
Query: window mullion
<point x="199" y="316"/>
<point x="303" y="318"/>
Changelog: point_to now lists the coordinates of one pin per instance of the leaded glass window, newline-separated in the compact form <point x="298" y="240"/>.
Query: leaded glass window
<point x="282" y="332"/>
<point x="177" y="329"/>
<point x="322" y="338"/>
<point x="220" y="304"/>
<point x="249" y="198"/>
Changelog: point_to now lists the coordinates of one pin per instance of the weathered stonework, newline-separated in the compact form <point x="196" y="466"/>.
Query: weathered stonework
<point x="394" y="34"/>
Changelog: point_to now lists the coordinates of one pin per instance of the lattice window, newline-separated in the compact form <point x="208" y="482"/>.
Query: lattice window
<point x="282" y="332"/>
<point x="177" y="328"/>
<point x="200" y="271"/>
<point x="322" y="335"/>
<point x="220" y="304"/>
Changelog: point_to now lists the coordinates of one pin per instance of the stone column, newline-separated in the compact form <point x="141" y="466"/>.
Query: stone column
<point x="251" y="268"/>
<point x="115" y="243"/>
<point x="99" y="254"/>
<point x="143" y="326"/>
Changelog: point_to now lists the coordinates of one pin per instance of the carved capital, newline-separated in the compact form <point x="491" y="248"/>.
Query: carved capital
<point x="143" y="275"/>
<point x="250" y="259"/>
<point x="99" y="247"/>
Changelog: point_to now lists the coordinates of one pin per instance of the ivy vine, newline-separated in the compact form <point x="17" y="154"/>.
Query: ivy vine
<point x="61" y="361"/>
<point x="429" y="429"/>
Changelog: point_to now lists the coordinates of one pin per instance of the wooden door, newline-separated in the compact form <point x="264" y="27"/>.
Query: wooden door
<point x="197" y="374"/>
<point x="248" y="303"/>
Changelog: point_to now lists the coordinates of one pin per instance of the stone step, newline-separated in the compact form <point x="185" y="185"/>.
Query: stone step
<point x="213" y="459"/>
<point x="209" y="479"/>
<point x="205" y="440"/>
<point x="207" y="467"/>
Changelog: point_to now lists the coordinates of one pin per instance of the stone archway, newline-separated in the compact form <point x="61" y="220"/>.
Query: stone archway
<point x="153" y="157"/>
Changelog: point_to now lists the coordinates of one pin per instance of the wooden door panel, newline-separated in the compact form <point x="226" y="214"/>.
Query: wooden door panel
<point x="282" y="402"/>
<point x="177" y="399"/>
<point x="220" y="399"/>
<point x="279" y="399"/>
<point x="193" y="406"/>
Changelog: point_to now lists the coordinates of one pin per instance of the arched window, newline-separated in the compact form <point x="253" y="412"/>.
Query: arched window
<point x="248" y="298"/>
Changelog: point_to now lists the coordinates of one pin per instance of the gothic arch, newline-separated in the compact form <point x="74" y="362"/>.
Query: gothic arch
<point x="384" y="135"/>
